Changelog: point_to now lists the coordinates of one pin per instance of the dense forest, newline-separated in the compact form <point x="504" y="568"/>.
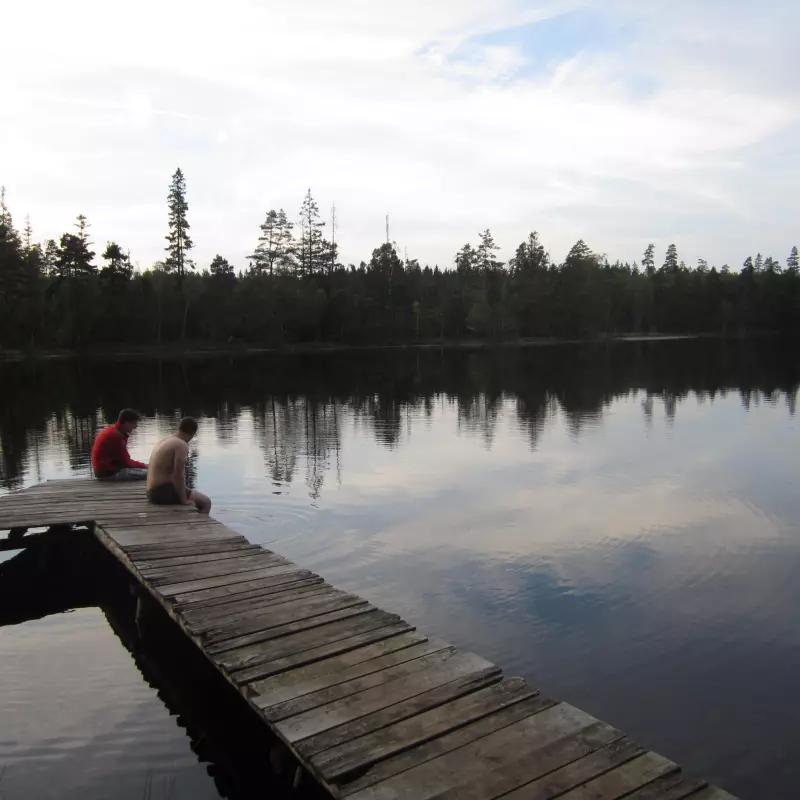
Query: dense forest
<point x="60" y="294"/>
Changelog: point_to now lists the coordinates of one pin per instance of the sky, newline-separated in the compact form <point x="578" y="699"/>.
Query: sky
<point x="621" y="122"/>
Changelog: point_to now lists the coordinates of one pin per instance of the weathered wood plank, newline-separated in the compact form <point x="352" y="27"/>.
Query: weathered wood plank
<point x="202" y="533"/>
<point x="264" y="652"/>
<point x="279" y="665"/>
<point x="254" y="621"/>
<point x="211" y="569"/>
<point x="317" y="621"/>
<point x="625" y="779"/>
<point x="284" y="688"/>
<point x="386" y="716"/>
<point x="339" y="764"/>
<point x="145" y="564"/>
<point x="672" y="787"/>
<point x="230" y="606"/>
<point x="186" y="587"/>
<point x="355" y="686"/>
<point x="155" y="522"/>
<point x="532" y="734"/>
<point x="249" y="627"/>
<point x="230" y="592"/>
<point x="169" y="556"/>
<point x="526" y="772"/>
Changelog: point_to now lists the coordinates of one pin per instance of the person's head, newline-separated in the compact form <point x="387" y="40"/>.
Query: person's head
<point x="128" y="420"/>
<point x="187" y="428"/>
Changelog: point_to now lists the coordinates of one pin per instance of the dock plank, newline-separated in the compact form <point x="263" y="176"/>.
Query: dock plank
<point x="233" y="591"/>
<point x="276" y="691"/>
<point x="279" y="665"/>
<point x="526" y="773"/>
<point x="356" y="686"/>
<point x="259" y="599"/>
<point x="354" y="756"/>
<point x="229" y="634"/>
<point x="145" y="563"/>
<point x="186" y="587"/>
<point x="247" y="657"/>
<point x="625" y="779"/>
<point x="534" y="733"/>
<point x="223" y="640"/>
<point x="397" y="712"/>
<point x="211" y="569"/>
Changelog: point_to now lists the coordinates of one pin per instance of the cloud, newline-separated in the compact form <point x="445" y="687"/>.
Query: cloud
<point x="609" y="121"/>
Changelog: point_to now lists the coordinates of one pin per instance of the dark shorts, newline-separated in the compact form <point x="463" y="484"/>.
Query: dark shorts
<point x="165" y="494"/>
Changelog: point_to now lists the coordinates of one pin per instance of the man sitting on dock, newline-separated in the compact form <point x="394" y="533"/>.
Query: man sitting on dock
<point x="166" y="479"/>
<point x="110" y="458"/>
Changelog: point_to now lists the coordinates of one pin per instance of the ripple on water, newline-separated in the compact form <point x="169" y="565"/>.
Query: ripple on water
<point x="92" y="729"/>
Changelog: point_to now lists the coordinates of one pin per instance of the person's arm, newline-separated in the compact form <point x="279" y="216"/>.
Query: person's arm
<point x="179" y="476"/>
<point x="125" y="456"/>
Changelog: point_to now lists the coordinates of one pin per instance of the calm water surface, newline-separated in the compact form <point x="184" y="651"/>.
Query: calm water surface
<point x="618" y="524"/>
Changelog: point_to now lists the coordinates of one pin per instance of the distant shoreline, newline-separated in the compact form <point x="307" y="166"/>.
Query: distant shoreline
<point x="198" y="350"/>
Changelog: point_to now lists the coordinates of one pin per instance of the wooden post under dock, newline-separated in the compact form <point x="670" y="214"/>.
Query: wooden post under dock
<point x="370" y="707"/>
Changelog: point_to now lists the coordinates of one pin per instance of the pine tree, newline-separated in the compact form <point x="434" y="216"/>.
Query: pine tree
<point x="748" y="267"/>
<point x="74" y="258"/>
<point x="178" y="242"/>
<point x="771" y="265"/>
<point x="649" y="260"/>
<point x="671" y="263"/>
<point x="275" y="248"/>
<point x="118" y="268"/>
<point x="27" y="234"/>
<point x="385" y="262"/>
<point x="12" y="273"/>
<point x="221" y="269"/>
<point x="50" y="257"/>
<point x="793" y="262"/>
<point x="466" y="258"/>
<point x="580" y="255"/>
<point x="530" y="256"/>
<point x="702" y="265"/>
<point x="82" y="224"/>
<point x="311" y="247"/>
<point x="759" y="263"/>
<point x="486" y="250"/>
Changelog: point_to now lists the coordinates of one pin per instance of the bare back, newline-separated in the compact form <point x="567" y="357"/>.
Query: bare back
<point x="168" y="463"/>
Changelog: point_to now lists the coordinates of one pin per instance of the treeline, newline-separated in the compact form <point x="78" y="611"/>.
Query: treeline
<point x="295" y="290"/>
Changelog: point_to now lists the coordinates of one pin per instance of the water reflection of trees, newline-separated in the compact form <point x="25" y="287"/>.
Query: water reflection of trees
<point x="300" y="404"/>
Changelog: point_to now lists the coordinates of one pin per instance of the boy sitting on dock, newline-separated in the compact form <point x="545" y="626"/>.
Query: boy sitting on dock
<point x="111" y="460"/>
<point x="166" y="478"/>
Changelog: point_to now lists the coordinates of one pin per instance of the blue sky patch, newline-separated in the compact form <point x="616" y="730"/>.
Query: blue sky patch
<point x="547" y="43"/>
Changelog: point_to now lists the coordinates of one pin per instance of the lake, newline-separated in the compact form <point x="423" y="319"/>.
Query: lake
<point x="616" y="523"/>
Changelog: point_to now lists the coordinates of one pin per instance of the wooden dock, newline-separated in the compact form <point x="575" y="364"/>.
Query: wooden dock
<point x="370" y="707"/>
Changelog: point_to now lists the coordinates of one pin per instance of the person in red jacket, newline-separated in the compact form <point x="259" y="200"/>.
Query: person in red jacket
<point x="110" y="457"/>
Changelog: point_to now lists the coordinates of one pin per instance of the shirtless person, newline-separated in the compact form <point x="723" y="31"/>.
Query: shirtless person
<point x="166" y="476"/>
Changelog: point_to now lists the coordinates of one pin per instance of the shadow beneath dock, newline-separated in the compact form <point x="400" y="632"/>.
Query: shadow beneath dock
<point x="71" y="570"/>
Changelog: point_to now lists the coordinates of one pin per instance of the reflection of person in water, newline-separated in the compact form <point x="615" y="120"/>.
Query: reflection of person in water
<point x="110" y="458"/>
<point x="166" y="479"/>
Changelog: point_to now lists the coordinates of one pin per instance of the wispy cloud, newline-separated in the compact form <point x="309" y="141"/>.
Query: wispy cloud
<point x="617" y="121"/>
